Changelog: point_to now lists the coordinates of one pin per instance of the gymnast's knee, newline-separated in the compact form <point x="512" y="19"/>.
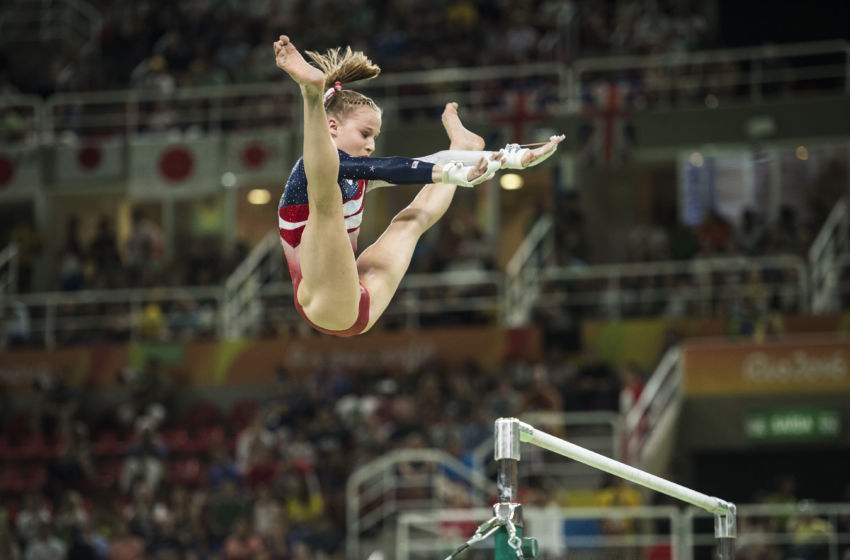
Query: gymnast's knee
<point x="416" y="220"/>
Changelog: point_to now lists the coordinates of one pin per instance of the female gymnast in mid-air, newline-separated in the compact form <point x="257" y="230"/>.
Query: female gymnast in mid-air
<point x="321" y="207"/>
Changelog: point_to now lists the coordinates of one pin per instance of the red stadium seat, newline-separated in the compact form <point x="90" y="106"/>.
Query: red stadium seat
<point x="241" y="414"/>
<point x="13" y="482"/>
<point x="34" y="479"/>
<point x="177" y="441"/>
<point x="107" y="444"/>
<point x="202" y="414"/>
<point x="186" y="472"/>
<point x="107" y="475"/>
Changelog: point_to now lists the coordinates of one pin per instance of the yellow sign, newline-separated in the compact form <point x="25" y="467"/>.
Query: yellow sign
<point x="810" y="364"/>
<point x="200" y="363"/>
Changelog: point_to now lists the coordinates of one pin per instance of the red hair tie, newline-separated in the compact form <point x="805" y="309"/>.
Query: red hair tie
<point x="337" y="87"/>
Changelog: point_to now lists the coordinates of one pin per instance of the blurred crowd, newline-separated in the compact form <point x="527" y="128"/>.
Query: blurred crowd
<point x="746" y="271"/>
<point x="165" y="45"/>
<point x="102" y="262"/>
<point x="158" y="476"/>
<point x="750" y="299"/>
<point x="165" y="474"/>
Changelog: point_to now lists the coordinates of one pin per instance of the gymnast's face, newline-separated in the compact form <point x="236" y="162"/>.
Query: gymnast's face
<point x="355" y="133"/>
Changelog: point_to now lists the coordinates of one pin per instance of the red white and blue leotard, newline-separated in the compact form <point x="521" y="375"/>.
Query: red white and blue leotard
<point x="356" y="176"/>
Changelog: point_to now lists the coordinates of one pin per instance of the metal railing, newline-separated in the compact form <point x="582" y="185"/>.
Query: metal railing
<point x="576" y="532"/>
<point x="782" y="531"/>
<point x="701" y="287"/>
<point x="153" y="314"/>
<point x="23" y="121"/>
<point x="8" y="270"/>
<point x="379" y="491"/>
<point x="523" y="270"/>
<point x="751" y="74"/>
<point x="244" y="289"/>
<point x="194" y="110"/>
<point x="455" y="297"/>
<point x="75" y="22"/>
<point x="254" y="299"/>
<point x="743" y="73"/>
<point x="828" y="258"/>
<point x="592" y="533"/>
<point x="660" y="398"/>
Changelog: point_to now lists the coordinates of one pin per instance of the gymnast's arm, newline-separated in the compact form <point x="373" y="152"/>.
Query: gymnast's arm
<point x="388" y="171"/>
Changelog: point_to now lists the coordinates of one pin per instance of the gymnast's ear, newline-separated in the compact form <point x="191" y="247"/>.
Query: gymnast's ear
<point x="333" y="126"/>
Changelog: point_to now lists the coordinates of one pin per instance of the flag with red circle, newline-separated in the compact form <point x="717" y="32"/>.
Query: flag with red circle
<point x="174" y="168"/>
<point x="90" y="160"/>
<point x="20" y="171"/>
<point x="257" y="157"/>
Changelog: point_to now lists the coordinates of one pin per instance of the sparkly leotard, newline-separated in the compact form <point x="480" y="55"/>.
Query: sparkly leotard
<point x="355" y="175"/>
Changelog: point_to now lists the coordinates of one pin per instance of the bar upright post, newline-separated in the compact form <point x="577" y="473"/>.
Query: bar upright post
<point x="725" y="530"/>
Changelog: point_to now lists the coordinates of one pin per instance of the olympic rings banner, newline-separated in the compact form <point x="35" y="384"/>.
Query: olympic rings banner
<point x="804" y="364"/>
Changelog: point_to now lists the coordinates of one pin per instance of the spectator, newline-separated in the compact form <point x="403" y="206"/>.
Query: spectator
<point x="103" y="252"/>
<point x="303" y="502"/>
<point x="227" y="505"/>
<point x="9" y="548"/>
<point x="268" y="512"/>
<point x="74" y="467"/>
<point x="72" y="277"/>
<point x="33" y="513"/>
<point x="29" y="242"/>
<point x="810" y="534"/>
<point x="58" y="407"/>
<point x="715" y="235"/>
<point x="541" y="395"/>
<point x="146" y="460"/>
<point x="44" y="545"/>
<point x="254" y="434"/>
<point x="631" y="386"/>
<point x="71" y="517"/>
<point x="144" y="245"/>
<point x="243" y="543"/>
<point x="140" y="511"/>
<point x="124" y="545"/>
<point x="618" y="492"/>
<point x="222" y="466"/>
<point x="750" y="234"/>
<point x="262" y="466"/>
<point x="277" y="542"/>
<point x="85" y="544"/>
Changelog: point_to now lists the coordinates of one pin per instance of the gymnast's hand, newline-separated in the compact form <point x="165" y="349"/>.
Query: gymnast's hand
<point x="456" y="173"/>
<point x="486" y="168"/>
<point x="533" y="156"/>
<point x="517" y="157"/>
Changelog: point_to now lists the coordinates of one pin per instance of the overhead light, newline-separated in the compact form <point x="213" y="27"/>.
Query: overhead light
<point x="228" y="179"/>
<point x="802" y="153"/>
<point x="511" y="181"/>
<point x="259" y="196"/>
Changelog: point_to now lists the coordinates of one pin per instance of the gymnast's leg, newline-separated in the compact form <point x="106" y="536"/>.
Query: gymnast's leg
<point x="384" y="263"/>
<point x="329" y="292"/>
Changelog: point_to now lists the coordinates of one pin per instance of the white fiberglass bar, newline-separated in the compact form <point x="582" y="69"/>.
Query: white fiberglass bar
<point x="530" y="434"/>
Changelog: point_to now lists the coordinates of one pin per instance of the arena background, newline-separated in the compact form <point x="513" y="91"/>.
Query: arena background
<point x="671" y="289"/>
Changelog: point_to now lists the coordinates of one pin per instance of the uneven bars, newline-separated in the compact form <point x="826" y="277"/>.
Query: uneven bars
<point x="530" y="434"/>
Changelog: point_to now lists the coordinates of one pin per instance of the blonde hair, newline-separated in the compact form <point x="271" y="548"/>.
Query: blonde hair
<point x="345" y="67"/>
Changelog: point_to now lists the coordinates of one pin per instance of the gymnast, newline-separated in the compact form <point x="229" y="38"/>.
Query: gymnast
<point x="321" y="208"/>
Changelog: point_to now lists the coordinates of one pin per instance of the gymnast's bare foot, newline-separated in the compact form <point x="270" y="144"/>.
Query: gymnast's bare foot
<point x="287" y="57"/>
<point x="460" y="137"/>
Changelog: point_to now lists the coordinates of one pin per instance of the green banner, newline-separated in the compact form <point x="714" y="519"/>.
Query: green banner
<point x="796" y="424"/>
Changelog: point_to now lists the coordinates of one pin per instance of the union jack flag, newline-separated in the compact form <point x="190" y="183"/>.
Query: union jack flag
<point x="607" y="134"/>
